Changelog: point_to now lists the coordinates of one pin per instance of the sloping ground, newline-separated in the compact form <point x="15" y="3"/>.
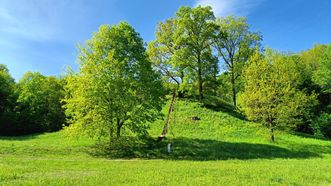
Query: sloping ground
<point x="218" y="149"/>
<point x="221" y="135"/>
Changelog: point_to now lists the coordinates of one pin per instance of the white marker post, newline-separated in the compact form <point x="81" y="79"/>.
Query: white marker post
<point x="169" y="147"/>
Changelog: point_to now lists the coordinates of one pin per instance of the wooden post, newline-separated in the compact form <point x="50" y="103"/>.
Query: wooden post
<point x="166" y="124"/>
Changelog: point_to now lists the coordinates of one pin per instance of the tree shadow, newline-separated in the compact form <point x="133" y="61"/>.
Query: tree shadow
<point x="21" y="138"/>
<point x="310" y="136"/>
<point x="218" y="105"/>
<point x="198" y="150"/>
<point x="314" y="148"/>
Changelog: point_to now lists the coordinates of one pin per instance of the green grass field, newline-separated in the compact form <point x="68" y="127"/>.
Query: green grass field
<point x="220" y="149"/>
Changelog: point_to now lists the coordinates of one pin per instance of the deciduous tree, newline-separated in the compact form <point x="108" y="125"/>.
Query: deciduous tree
<point x="196" y="28"/>
<point x="235" y="48"/>
<point x="115" y="87"/>
<point x="271" y="94"/>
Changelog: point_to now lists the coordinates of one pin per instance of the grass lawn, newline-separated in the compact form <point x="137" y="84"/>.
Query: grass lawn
<point x="220" y="149"/>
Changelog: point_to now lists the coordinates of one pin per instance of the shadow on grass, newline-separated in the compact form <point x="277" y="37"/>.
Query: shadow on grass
<point x="310" y="136"/>
<point x="198" y="150"/>
<point x="22" y="137"/>
<point x="218" y="105"/>
<point x="314" y="148"/>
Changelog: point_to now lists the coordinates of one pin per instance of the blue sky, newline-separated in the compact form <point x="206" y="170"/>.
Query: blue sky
<point x="42" y="35"/>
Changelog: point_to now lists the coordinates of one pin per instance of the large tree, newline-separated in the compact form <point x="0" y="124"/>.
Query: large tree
<point x="272" y="95"/>
<point x="235" y="48"/>
<point x="195" y="30"/>
<point x="115" y="87"/>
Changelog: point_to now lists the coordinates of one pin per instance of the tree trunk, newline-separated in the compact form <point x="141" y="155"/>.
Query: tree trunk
<point x="200" y="86"/>
<point x="272" y="135"/>
<point x="181" y="92"/>
<point x="118" y="128"/>
<point x="234" y="96"/>
<point x="118" y="131"/>
<point x="200" y="79"/>
<point x="111" y="133"/>
<point x="215" y="86"/>
<point x="182" y="76"/>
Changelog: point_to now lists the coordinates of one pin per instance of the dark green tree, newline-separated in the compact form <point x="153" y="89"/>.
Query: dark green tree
<point x="39" y="103"/>
<point x="7" y="102"/>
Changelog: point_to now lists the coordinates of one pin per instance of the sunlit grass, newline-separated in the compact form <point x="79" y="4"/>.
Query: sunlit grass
<point x="220" y="149"/>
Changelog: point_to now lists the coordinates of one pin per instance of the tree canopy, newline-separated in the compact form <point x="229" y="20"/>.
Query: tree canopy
<point x="39" y="103"/>
<point x="272" y="96"/>
<point x="235" y="44"/>
<point x="196" y="28"/>
<point x="115" y="87"/>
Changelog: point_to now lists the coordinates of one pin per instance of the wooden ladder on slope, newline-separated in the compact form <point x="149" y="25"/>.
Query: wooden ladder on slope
<point x="166" y="124"/>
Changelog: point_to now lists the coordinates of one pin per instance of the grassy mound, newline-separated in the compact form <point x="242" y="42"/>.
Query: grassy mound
<point x="220" y="148"/>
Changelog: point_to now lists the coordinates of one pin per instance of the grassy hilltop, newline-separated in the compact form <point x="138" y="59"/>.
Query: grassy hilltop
<point x="220" y="149"/>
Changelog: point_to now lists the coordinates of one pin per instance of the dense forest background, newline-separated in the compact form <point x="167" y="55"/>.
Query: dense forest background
<point x="122" y="82"/>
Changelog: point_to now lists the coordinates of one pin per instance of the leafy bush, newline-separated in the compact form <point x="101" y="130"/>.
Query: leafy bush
<point x="322" y="125"/>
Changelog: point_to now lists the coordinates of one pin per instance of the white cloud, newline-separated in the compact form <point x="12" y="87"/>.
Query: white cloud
<point x="39" y="20"/>
<point x="230" y="7"/>
<point x="40" y="35"/>
<point x="28" y="26"/>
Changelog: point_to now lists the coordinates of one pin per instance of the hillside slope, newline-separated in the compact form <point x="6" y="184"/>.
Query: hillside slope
<point x="223" y="135"/>
<point x="220" y="148"/>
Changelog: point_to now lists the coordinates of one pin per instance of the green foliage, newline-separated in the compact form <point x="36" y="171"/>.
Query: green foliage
<point x="315" y="77"/>
<point x="322" y="126"/>
<point x="182" y="50"/>
<point x="7" y="100"/>
<point x="39" y="104"/>
<point x="313" y="63"/>
<point x="196" y="28"/>
<point x="6" y="89"/>
<point x="115" y="86"/>
<point x="235" y="44"/>
<point x="164" y="52"/>
<point x="322" y="76"/>
<point x="224" y="90"/>
<point x="271" y="93"/>
<point x="32" y="105"/>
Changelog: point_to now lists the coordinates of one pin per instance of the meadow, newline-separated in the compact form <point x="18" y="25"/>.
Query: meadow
<point x="220" y="149"/>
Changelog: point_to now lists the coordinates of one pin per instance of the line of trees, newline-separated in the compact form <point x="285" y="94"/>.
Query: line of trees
<point x="191" y="48"/>
<point x="289" y="91"/>
<point x="31" y="105"/>
<point x="121" y="84"/>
